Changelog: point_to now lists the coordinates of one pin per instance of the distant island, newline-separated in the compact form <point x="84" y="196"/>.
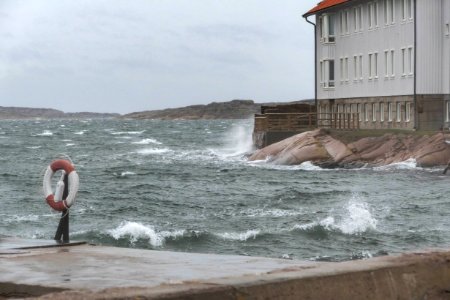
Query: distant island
<point x="234" y="109"/>
<point x="13" y="113"/>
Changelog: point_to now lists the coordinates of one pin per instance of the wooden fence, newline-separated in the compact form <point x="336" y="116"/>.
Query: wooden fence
<point x="295" y="122"/>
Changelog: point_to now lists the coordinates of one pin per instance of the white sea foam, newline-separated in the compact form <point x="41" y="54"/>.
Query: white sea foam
<point x="355" y="219"/>
<point x="80" y="132"/>
<point x="271" y="213"/>
<point x="127" y="132"/>
<point x="135" y="231"/>
<point x="147" y="141"/>
<point x="309" y="166"/>
<point x="239" y="236"/>
<point x="34" y="147"/>
<point x="127" y="173"/>
<point x="70" y="144"/>
<point x="22" y="218"/>
<point x="409" y="164"/>
<point x="45" y="133"/>
<point x="358" y="219"/>
<point x="149" y="151"/>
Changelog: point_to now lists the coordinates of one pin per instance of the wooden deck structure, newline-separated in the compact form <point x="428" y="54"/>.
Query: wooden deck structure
<point x="276" y="123"/>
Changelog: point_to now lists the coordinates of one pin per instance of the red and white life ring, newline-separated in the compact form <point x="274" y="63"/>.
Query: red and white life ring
<point x="73" y="181"/>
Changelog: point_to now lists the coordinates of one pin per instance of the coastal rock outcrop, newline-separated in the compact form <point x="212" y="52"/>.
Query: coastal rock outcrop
<point x="323" y="149"/>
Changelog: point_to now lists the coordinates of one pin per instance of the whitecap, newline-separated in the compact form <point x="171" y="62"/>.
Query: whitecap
<point x="355" y="219"/>
<point x="150" y="151"/>
<point x="127" y="173"/>
<point x="70" y="144"/>
<point x="45" y="133"/>
<point x="80" y="132"/>
<point x="271" y="213"/>
<point x="358" y="219"/>
<point x="127" y="132"/>
<point x="135" y="231"/>
<point x="147" y="141"/>
<point x="239" y="236"/>
<point x="34" y="147"/>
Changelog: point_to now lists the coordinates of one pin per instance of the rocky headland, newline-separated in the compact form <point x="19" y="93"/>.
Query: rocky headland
<point x="328" y="150"/>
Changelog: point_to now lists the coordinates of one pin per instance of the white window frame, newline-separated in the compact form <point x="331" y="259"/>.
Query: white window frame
<point x="392" y="66"/>
<point x="447" y="29"/>
<point x="410" y="60"/>
<point x="389" y="111"/>
<point x="407" y="10"/>
<point x="355" y="67"/>
<point x="346" y="69"/>
<point x="407" y="112"/>
<point x="361" y="67"/>
<point x="325" y="74"/>
<point x="399" y="111"/>
<point x="381" y="111"/>
<point x="327" y="24"/>
<point x="374" y="112"/>
<point x="366" y="112"/>
<point x="447" y="111"/>
<point x="359" y="111"/>
<point x="372" y="14"/>
<point x="389" y="12"/>
<point x="403" y="51"/>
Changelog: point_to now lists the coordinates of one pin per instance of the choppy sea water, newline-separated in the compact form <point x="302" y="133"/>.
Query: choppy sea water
<point x="187" y="186"/>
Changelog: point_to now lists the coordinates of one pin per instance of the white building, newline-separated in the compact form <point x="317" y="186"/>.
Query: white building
<point x="388" y="60"/>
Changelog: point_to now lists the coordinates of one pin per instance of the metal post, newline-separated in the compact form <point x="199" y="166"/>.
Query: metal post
<point x="63" y="227"/>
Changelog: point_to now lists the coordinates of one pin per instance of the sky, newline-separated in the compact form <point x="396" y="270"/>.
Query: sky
<point x="125" y="56"/>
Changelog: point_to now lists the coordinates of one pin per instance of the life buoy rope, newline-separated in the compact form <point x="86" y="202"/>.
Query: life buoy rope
<point x="55" y="200"/>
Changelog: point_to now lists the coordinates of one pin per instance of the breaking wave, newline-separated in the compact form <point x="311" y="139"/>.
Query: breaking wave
<point x="135" y="231"/>
<point x="239" y="236"/>
<point x="147" y="141"/>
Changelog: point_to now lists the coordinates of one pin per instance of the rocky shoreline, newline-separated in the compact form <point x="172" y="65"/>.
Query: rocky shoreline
<point x="328" y="151"/>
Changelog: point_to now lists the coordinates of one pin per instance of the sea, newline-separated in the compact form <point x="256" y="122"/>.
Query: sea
<point x="188" y="186"/>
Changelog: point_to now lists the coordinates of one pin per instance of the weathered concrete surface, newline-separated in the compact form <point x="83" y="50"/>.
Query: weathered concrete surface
<point x="96" y="272"/>
<point x="324" y="150"/>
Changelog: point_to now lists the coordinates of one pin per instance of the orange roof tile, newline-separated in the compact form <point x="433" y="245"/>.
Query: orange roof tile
<point x="324" y="5"/>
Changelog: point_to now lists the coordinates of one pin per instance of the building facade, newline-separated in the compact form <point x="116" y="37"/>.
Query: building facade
<point x="387" y="60"/>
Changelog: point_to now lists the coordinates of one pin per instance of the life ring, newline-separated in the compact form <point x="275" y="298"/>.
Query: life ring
<point x="69" y="170"/>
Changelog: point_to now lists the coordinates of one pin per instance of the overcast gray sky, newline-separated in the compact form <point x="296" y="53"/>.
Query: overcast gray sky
<point x="125" y="56"/>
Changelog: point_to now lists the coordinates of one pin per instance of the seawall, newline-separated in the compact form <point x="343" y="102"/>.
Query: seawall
<point x="97" y="272"/>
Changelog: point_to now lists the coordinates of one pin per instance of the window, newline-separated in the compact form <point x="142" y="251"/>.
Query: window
<point x="355" y="67"/>
<point x="389" y="12"/>
<point x="326" y="22"/>
<point x="386" y="63"/>
<point x="399" y="111"/>
<point x="327" y="73"/>
<point x="407" y="112"/>
<point x="382" y="112"/>
<point x="447" y="111"/>
<point x="390" y="112"/>
<point x="374" y="112"/>
<point x="410" y="60"/>
<point x="407" y="61"/>
<point x="366" y="112"/>
<point x="404" y="61"/>
<point x="373" y="65"/>
<point x="360" y="66"/>
<point x="408" y="10"/>
<point x="344" y="69"/>
<point x="358" y="18"/>
<point x="389" y="63"/>
<point x="358" y="109"/>
<point x="447" y="29"/>
<point x="345" y="15"/>
<point x="372" y="14"/>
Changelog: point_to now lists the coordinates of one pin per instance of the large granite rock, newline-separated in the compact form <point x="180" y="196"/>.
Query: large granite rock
<point x="322" y="149"/>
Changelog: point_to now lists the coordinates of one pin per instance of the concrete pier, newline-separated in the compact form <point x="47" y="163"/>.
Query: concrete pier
<point x="97" y="272"/>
